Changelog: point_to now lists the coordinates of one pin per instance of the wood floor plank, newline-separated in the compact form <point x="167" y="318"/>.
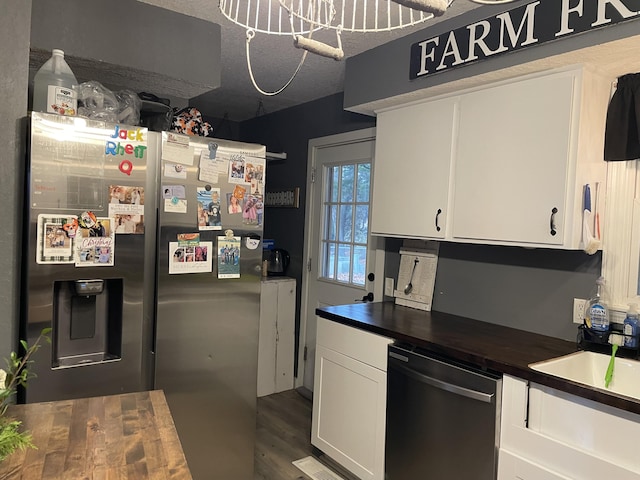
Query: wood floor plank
<point x="283" y="434"/>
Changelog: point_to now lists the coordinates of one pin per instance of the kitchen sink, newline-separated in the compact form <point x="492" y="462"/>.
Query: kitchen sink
<point x="589" y="369"/>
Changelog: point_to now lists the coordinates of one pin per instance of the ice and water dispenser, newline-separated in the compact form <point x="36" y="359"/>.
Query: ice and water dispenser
<point x="87" y="321"/>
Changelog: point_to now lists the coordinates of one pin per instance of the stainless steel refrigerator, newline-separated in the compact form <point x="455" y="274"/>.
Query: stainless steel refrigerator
<point x="143" y="254"/>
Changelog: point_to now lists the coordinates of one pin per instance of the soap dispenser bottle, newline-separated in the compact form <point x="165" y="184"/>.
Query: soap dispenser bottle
<point x="631" y="327"/>
<point x="597" y="310"/>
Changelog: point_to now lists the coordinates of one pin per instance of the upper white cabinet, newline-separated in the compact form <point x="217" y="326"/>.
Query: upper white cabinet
<point x="524" y="151"/>
<point x="504" y="164"/>
<point x="412" y="169"/>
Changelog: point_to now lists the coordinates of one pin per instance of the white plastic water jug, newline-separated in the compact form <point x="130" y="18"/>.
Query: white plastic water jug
<point x="53" y="87"/>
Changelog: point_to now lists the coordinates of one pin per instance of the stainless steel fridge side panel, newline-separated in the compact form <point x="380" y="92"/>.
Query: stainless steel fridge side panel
<point x="207" y="342"/>
<point x="45" y="172"/>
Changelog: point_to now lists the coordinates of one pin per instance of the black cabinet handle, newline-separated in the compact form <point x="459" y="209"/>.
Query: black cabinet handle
<point x="552" y="221"/>
<point x="437" y="215"/>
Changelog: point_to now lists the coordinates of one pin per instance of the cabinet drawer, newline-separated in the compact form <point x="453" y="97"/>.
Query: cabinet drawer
<point x="513" y="467"/>
<point x="366" y="347"/>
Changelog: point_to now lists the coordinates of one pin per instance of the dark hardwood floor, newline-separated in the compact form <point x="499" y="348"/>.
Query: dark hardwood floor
<point x="283" y="435"/>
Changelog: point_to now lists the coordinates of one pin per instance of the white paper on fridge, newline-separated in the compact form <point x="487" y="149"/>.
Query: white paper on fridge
<point x="175" y="170"/>
<point x="175" y="205"/>
<point x="54" y="244"/>
<point x="228" y="256"/>
<point x="190" y="258"/>
<point x="95" y="246"/>
<point x="176" y="148"/>
<point x="209" y="168"/>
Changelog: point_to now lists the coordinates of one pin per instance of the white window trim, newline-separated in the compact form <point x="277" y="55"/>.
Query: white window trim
<point x="621" y="234"/>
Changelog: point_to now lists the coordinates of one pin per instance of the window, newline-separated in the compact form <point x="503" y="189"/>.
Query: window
<point x="346" y="222"/>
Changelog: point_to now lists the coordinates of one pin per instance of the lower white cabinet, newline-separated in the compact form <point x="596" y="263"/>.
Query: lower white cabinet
<point x="276" y="342"/>
<point x="514" y="467"/>
<point x="549" y="434"/>
<point x="349" y="400"/>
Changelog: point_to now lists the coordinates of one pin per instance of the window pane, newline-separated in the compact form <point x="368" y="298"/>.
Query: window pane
<point x="362" y="224"/>
<point x="364" y="181"/>
<point x="359" y="265"/>
<point x="334" y="182"/>
<point x="332" y="219"/>
<point x="344" y="263"/>
<point x="346" y="222"/>
<point x="347" y="183"/>
<point x="328" y="267"/>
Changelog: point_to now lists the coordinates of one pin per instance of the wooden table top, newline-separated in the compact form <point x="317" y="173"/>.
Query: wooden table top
<point x="119" y="437"/>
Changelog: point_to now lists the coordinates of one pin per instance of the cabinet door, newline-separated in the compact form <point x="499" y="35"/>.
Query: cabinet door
<point x="512" y="161"/>
<point x="412" y="170"/>
<point x="349" y="408"/>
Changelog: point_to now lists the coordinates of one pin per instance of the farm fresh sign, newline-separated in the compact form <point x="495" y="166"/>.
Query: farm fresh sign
<point x="532" y="24"/>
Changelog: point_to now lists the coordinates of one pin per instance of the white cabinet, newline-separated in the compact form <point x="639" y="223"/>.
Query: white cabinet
<point x="549" y="434"/>
<point x="277" y="336"/>
<point x="412" y="170"/>
<point x="503" y="164"/>
<point x="524" y="151"/>
<point x="349" y="403"/>
<point x="514" y="467"/>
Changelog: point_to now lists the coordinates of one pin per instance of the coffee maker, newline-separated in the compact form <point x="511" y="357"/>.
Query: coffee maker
<point x="278" y="262"/>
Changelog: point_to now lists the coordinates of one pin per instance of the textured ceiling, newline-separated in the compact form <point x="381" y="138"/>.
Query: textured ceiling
<point x="274" y="59"/>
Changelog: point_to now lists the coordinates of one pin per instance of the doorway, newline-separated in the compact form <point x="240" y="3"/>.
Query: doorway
<point x="345" y="264"/>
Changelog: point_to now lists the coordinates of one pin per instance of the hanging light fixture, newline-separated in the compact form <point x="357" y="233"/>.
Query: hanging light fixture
<point x="300" y="19"/>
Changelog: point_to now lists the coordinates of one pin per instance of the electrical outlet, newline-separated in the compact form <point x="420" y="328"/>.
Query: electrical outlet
<point x="579" y="305"/>
<point x="388" y="286"/>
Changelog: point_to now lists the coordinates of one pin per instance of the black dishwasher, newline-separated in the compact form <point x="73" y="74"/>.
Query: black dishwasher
<point x="443" y="418"/>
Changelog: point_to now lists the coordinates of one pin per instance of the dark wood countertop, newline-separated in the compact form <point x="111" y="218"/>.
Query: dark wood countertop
<point x="130" y="436"/>
<point x="502" y="349"/>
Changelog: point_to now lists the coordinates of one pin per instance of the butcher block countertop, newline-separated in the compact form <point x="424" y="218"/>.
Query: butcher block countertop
<point x="129" y="436"/>
<point x="501" y="349"/>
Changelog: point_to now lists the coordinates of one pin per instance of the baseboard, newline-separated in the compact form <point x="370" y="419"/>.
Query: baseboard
<point x="305" y="392"/>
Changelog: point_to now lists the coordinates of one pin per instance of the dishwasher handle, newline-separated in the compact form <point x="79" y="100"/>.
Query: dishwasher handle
<point x="442" y="385"/>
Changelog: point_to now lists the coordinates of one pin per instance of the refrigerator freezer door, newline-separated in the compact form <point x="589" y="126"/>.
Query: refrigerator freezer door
<point x="101" y="337"/>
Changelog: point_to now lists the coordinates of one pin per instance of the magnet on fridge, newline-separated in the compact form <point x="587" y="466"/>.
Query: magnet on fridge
<point x="71" y="227"/>
<point x="213" y="148"/>
<point x="228" y="233"/>
<point x="126" y="167"/>
<point x="252" y="242"/>
<point x="175" y="200"/>
<point x="207" y="187"/>
<point x="87" y="220"/>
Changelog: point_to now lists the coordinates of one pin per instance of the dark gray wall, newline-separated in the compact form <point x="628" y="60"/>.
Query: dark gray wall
<point x="524" y="288"/>
<point x="289" y="131"/>
<point x="130" y="44"/>
<point x="15" y="27"/>
<point x="529" y="289"/>
<point x="383" y="72"/>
